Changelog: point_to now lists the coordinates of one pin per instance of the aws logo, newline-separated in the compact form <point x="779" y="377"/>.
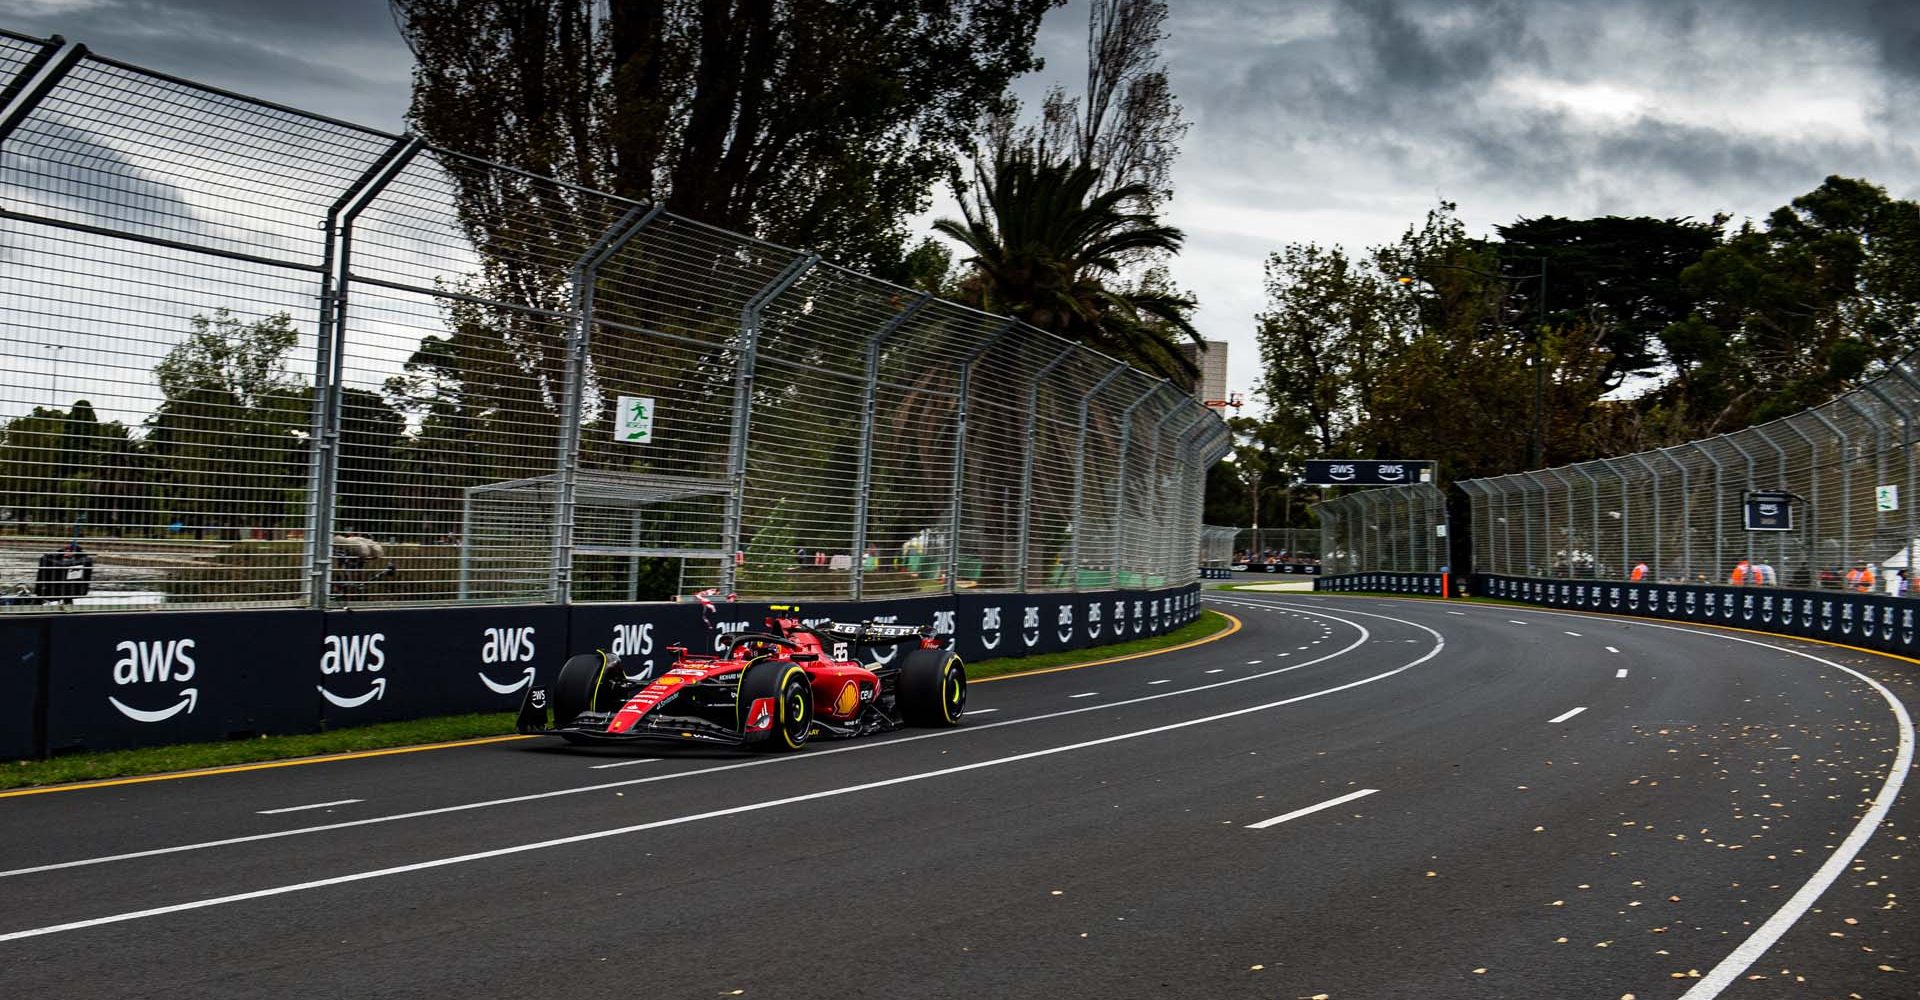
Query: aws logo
<point x="354" y="654"/>
<point x="508" y="646"/>
<point x="162" y="661"/>
<point x="1093" y="619"/>
<point x="990" y="626"/>
<point x="1030" y="625"/>
<point x="1066" y="623"/>
<point x="634" y="641"/>
<point x="943" y="627"/>
<point x="725" y="628"/>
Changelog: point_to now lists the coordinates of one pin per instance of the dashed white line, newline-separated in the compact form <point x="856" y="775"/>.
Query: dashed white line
<point x="1611" y="649"/>
<point x="1251" y="663"/>
<point x="1460" y="613"/>
<point x="1084" y="694"/>
<point x="1622" y="672"/>
<point x="1564" y="716"/>
<point x="1297" y="813"/>
<point x="1515" y="621"/>
<point x="316" y="805"/>
<point x="1576" y="635"/>
<point x="1214" y="670"/>
<point x="1163" y="680"/>
<point x="981" y="711"/>
<point x="580" y="838"/>
<point x="625" y="763"/>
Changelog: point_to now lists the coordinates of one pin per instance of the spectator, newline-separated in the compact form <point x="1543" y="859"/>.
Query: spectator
<point x="1763" y="575"/>
<point x="1860" y="578"/>
<point x="1639" y="574"/>
<point x="1742" y="575"/>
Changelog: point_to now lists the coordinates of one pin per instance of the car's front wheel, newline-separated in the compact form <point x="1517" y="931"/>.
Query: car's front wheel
<point x="781" y="691"/>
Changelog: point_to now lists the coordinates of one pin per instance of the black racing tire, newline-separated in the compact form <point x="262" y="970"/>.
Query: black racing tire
<point x="792" y="690"/>
<point x="572" y="692"/>
<point x="932" y="688"/>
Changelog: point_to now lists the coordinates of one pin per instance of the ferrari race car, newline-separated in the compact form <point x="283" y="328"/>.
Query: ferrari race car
<point x="771" y="690"/>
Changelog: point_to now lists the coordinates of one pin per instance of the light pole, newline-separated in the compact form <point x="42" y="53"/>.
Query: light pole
<point x="1535" y="440"/>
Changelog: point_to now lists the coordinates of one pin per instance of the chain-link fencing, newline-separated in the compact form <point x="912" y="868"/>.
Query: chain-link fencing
<point x="1834" y="485"/>
<point x="258" y="357"/>
<point x="1395" y="529"/>
<point x="1216" y="546"/>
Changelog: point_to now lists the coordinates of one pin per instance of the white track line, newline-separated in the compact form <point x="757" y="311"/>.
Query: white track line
<point x="624" y="763"/>
<point x="1515" y="621"/>
<point x="1163" y="680"/>
<point x="981" y="711"/>
<point x="1297" y="813"/>
<point x="316" y="805"/>
<point x="1576" y="635"/>
<point x="1215" y="670"/>
<point x="201" y="904"/>
<point x="1622" y="672"/>
<point x="1564" y="716"/>
<point x="1768" y="933"/>
<point x="1084" y="694"/>
<point x="813" y="754"/>
<point x="1612" y="649"/>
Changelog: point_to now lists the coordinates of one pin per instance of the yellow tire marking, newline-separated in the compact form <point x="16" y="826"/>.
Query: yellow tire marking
<point x="263" y="765"/>
<point x="1234" y="626"/>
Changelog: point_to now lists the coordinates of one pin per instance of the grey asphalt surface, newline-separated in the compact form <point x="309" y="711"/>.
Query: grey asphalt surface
<point x="1058" y="846"/>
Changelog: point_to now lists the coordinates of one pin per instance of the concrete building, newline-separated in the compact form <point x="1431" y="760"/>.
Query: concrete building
<point x="1212" y="387"/>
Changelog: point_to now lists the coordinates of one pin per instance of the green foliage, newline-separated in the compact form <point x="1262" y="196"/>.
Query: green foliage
<point x="1426" y="348"/>
<point x="1049" y="249"/>
<point x="770" y="566"/>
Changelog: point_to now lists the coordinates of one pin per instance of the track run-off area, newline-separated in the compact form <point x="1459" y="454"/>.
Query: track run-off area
<point x="1349" y="796"/>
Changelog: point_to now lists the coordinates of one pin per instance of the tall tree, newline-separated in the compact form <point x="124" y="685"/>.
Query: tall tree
<point x="812" y="123"/>
<point x="1049" y="250"/>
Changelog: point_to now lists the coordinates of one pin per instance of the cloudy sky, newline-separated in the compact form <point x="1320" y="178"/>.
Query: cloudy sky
<point x="1337" y="121"/>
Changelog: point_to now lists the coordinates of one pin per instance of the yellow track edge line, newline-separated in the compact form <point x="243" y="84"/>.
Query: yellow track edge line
<point x="1234" y="626"/>
<point x="261" y="766"/>
<point x="1629" y="617"/>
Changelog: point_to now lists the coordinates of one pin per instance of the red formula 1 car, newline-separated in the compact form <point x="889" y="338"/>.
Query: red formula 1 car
<point x="771" y="690"/>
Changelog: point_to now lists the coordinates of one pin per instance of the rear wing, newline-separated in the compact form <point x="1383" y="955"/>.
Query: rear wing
<point x="871" y="634"/>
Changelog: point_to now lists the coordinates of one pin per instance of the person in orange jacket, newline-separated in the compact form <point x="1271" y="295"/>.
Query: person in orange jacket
<point x="1639" y="572"/>
<point x="1860" y="578"/>
<point x="1742" y="574"/>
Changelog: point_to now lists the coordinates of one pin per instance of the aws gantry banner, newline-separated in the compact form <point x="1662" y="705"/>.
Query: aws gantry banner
<point x="1367" y="472"/>
<point x="1875" y="621"/>
<point x="104" y="681"/>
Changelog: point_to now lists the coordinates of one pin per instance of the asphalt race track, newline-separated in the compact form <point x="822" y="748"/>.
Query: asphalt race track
<point x="1354" y="797"/>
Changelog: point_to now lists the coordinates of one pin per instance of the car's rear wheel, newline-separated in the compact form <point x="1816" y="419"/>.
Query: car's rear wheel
<point x="933" y="688"/>
<point x="572" y="692"/>
<point x="790" y="692"/>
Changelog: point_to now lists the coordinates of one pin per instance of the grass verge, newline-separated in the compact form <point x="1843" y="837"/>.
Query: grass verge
<point x="449" y="728"/>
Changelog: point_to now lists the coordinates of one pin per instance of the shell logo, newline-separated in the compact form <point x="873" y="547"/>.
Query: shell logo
<point x="849" y="699"/>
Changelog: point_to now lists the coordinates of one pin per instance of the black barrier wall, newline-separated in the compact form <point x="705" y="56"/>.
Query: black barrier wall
<point x="1874" y="621"/>
<point x="1392" y="583"/>
<point x="105" y="681"/>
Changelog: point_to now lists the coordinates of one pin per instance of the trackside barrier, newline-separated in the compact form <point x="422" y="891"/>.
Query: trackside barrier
<point x="1873" y="621"/>
<point x="110" y="681"/>
<point x="1391" y="583"/>
<point x="1299" y="569"/>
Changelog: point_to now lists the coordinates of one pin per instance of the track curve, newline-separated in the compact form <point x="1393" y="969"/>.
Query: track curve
<point x="1351" y="796"/>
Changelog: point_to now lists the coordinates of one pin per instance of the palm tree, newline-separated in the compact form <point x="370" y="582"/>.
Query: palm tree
<point x="1049" y="249"/>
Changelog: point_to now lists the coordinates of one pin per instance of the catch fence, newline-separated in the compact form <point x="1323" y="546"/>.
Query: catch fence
<point x="1395" y="529"/>
<point x="259" y="357"/>
<point x="1845" y="474"/>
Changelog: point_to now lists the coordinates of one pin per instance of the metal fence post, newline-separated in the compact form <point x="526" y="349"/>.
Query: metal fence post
<point x="1846" y="491"/>
<point x="1733" y="441"/>
<point x="1120" y="498"/>
<point x="24" y="93"/>
<point x="1780" y="472"/>
<point x="586" y="272"/>
<point x="1913" y="467"/>
<point x="1686" y="513"/>
<point x="965" y="385"/>
<point x="1626" y="519"/>
<point x="1719" y="503"/>
<point x="738" y="437"/>
<point x="1879" y="454"/>
<point x="1080" y="471"/>
<point x="863" y="484"/>
<point x="1812" y="530"/>
<point x="1032" y="438"/>
<point x="323" y="466"/>
<point x="1155" y="509"/>
<point x="1178" y="533"/>
<point x="1593" y="495"/>
<point x="1653" y="490"/>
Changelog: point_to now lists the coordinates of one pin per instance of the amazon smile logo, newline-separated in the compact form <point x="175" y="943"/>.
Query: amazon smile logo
<point x="162" y="661"/>
<point x="353" y="654"/>
<point x="511" y="646"/>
